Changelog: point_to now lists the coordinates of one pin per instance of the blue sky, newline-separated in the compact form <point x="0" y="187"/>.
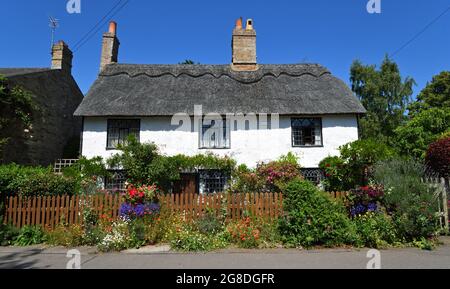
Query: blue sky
<point x="332" y="33"/>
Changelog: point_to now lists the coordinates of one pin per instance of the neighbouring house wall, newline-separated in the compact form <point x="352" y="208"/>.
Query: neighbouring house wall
<point x="54" y="126"/>
<point x="247" y="146"/>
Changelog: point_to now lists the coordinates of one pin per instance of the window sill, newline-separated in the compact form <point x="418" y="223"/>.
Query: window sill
<point x="112" y="149"/>
<point x="205" y="148"/>
<point x="315" y="146"/>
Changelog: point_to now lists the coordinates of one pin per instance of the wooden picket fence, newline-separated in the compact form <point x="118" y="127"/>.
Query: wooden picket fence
<point x="235" y="206"/>
<point x="49" y="211"/>
<point x="53" y="210"/>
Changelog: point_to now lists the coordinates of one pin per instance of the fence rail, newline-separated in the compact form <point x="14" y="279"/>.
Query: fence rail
<point x="49" y="211"/>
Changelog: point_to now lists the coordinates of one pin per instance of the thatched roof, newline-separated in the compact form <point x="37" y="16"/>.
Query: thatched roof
<point x="163" y="90"/>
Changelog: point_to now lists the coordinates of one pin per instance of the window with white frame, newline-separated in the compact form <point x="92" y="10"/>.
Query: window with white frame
<point x="306" y="132"/>
<point x="214" y="134"/>
<point x="120" y="129"/>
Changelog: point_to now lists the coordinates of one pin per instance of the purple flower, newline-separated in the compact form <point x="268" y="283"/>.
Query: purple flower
<point x="126" y="210"/>
<point x="372" y="207"/>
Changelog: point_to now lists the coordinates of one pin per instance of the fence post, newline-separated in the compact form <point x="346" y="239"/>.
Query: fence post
<point x="445" y="204"/>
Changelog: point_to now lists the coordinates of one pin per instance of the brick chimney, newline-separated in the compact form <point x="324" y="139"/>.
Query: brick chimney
<point x="62" y="57"/>
<point x="110" y="46"/>
<point x="244" y="47"/>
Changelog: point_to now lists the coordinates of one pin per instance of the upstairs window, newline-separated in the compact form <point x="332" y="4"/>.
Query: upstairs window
<point x="214" y="135"/>
<point x="120" y="129"/>
<point x="306" y="132"/>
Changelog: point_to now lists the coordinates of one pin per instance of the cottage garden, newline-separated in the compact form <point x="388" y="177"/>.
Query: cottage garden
<point x="387" y="203"/>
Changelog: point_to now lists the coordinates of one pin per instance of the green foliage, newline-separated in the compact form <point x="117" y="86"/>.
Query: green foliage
<point x="145" y="164"/>
<point x="334" y="168"/>
<point x="438" y="157"/>
<point x="8" y="233"/>
<point x="353" y="167"/>
<point x="204" y="161"/>
<point x="359" y="157"/>
<point x="412" y="203"/>
<point x="210" y="223"/>
<point x="385" y="95"/>
<point x="414" y="137"/>
<point x="312" y="218"/>
<point x="266" y="177"/>
<point x="375" y="230"/>
<point x="66" y="236"/>
<point x="188" y="238"/>
<point x="29" y="235"/>
<point x="435" y="95"/>
<point x="34" y="181"/>
<point x="16" y="107"/>
<point x="86" y="173"/>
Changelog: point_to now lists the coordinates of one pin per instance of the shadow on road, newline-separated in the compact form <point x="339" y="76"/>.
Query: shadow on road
<point x="21" y="260"/>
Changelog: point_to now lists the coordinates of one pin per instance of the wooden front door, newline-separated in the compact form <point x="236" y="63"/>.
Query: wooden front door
<point x="187" y="185"/>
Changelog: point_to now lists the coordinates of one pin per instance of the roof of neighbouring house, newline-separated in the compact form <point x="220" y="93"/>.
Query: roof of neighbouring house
<point x="164" y="90"/>
<point x="9" y="72"/>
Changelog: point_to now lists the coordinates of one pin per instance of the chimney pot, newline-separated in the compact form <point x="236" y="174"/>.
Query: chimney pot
<point x="113" y="27"/>
<point x="239" y="23"/>
<point x="249" y="25"/>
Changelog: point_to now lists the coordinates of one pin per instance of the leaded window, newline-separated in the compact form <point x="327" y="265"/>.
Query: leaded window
<point x="120" y="129"/>
<point x="313" y="175"/>
<point x="116" y="181"/>
<point x="213" y="181"/>
<point x="215" y="134"/>
<point x="306" y="132"/>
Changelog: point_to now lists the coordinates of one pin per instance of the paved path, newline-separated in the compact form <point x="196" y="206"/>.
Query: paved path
<point x="38" y="257"/>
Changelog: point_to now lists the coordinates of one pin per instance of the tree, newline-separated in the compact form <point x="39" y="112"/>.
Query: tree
<point x="16" y="109"/>
<point x="413" y="137"/>
<point x="385" y="95"/>
<point x="435" y="94"/>
<point x="429" y="117"/>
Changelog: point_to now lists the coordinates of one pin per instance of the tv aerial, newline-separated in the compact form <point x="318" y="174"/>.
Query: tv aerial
<point x="54" y="23"/>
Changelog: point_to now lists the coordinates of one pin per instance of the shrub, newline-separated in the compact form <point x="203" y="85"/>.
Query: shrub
<point x="438" y="157"/>
<point x="66" y="236"/>
<point x="188" y="239"/>
<point x="30" y="235"/>
<point x="412" y="203"/>
<point x="335" y="174"/>
<point x="312" y="218"/>
<point x="34" y="181"/>
<point x="267" y="177"/>
<point x="8" y="234"/>
<point x="86" y="173"/>
<point x="359" y="158"/>
<point x="210" y="223"/>
<point x="375" y="230"/>
<point x="353" y="168"/>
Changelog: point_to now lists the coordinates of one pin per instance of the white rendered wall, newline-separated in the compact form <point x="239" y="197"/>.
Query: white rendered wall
<point x="247" y="146"/>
